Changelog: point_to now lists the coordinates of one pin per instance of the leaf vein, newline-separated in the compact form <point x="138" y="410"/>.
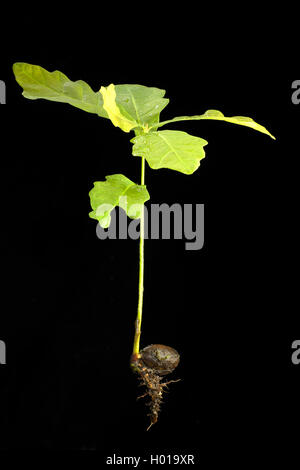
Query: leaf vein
<point x="173" y="149"/>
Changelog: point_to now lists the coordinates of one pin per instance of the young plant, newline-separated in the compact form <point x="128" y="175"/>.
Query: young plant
<point x="134" y="108"/>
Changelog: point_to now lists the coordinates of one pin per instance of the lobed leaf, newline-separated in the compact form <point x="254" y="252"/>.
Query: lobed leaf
<point x="127" y="106"/>
<point x="143" y="104"/>
<point x="126" y="123"/>
<point x="133" y="106"/>
<point x="120" y="191"/>
<point x="217" y="115"/>
<point x="175" y="150"/>
<point x="37" y="83"/>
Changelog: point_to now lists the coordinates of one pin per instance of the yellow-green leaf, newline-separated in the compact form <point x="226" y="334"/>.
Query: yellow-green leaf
<point x="217" y="115"/>
<point x="38" y="83"/>
<point x="175" y="150"/>
<point x="109" y="104"/>
<point x="120" y="191"/>
<point x="141" y="103"/>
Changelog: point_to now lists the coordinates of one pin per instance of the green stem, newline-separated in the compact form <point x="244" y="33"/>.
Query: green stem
<point x="138" y="322"/>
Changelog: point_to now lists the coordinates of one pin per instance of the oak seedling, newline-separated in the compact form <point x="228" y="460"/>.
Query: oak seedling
<point x="132" y="108"/>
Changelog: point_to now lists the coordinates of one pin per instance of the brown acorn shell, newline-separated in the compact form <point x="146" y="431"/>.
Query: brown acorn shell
<point x="162" y="359"/>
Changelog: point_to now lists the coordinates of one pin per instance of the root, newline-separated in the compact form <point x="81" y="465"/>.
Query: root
<point x="155" y="388"/>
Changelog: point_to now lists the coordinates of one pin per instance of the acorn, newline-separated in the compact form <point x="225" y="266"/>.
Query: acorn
<point x="162" y="359"/>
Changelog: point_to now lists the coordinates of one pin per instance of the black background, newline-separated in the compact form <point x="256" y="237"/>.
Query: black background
<point x="69" y="300"/>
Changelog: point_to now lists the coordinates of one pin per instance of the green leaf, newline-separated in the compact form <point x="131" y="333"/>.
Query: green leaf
<point x="125" y="122"/>
<point x="217" y="115"/>
<point x="170" y="149"/>
<point x="120" y="191"/>
<point x="37" y="83"/>
<point x="141" y="103"/>
<point x="133" y="106"/>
